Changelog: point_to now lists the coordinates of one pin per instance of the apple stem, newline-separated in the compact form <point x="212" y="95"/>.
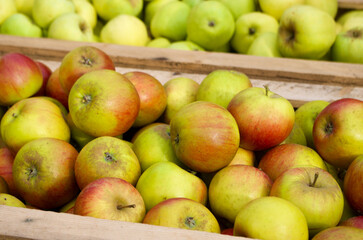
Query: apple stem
<point x="316" y="175"/>
<point x="31" y="172"/>
<point x="86" y="61"/>
<point x="86" y="99"/>
<point x="119" y="207"/>
<point x="267" y="89"/>
<point x="176" y="139"/>
<point x="190" y="222"/>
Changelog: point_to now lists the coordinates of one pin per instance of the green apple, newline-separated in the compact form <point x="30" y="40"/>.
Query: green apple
<point x="348" y="46"/>
<point x="265" y="45"/>
<point x="185" y="45"/>
<point x="109" y="9"/>
<point x="24" y="6"/>
<point x="180" y="91"/>
<point x="45" y="11"/>
<point x="329" y="6"/>
<point x="271" y="218"/>
<point x="10" y="200"/>
<point x="154" y="188"/>
<point x="249" y="26"/>
<point x="87" y="11"/>
<point x="275" y="8"/>
<point x="315" y="192"/>
<point x="159" y="42"/>
<point x="305" y="37"/>
<point x="125" y="30"/>
<point x="220" y="86"/>
<point x="20" y="24"/>
<point x="70" y="26"/>
<point x="296" y="135"/>
<point x="170" y="21"/>
<point x="8" y="8"/>
<point x="210" y="25"/>
<point x="305" y="116"/>
<point x="239" y="7"/>
<point x="152" y="7"/>
<point x="341" y="233"/>
<point x="191" y="3"/>
<point x="350" y="19"/>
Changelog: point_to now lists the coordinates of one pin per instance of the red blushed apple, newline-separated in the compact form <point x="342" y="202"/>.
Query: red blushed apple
<point x="353" y="184"/>
<point x="3" y="185"/>
<point x="338" y="132"/>
<point x="55" y="90"/>
<point x="20" y="77"/>
<point x="227" y="231"/>
<point x="111" y="198"/>
<point x="152" y="97"/>
<point x="356" y="221"/>
<point x="80" y="61"/>
<point x="341" y="233"/>
<point x="204" y="136"/>
<point x="43" y="173"/>
<point x="46" y="72"/>
<point x="6" y="169"/>
<point x="264" y="118"/>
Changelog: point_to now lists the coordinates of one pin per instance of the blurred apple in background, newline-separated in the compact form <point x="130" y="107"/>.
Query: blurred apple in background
<point x="43" y="172"/>
<point x="151" y="7"/>
<point x="353" y="184"/>
<point x="25" y="6"/>
<point x="110" y="198"/>
<point x="350" y="19"/>
<point x="103" y="108"/>
<point x="264" y="118"/>
<point x="338" y="132"/>
<point x="152" y="97"/>
<point x="8" y="8"/>
<point x="220" y="86"/>
<point x="20" y="24"/>
<point x="185" y="45"/>
<point x="20" y="77"/>
<point x="204" y="136"/>
<point x="106" y="157"/>
<point x="341" y="233"/>
<point x="249" y="26"/>
<point x="182" y="213"/>
<point x="180" y="91"/>
<point x="108" y="10"/>
<point x="55" y="90"/>
<point x="180" y="183"/>
<point x="276" y="8"/>
<point x="30" y="119"/>
<point x="356" y="221"/>
<point x="239" y="7"/>
<point x="265" y="44"/>
<point x="10" y="200"/>
<point x="159" y="42"/>
<point x="87" y="11"/>
<point x="348" y="45"/>
<point x="329" y="6"/>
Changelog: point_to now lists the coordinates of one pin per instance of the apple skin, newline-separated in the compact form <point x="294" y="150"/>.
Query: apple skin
<point x="55" y="90"/>
<point x="347" y="45"/>
<point x="32" y="118"/>
<point x="106" y="157"/>
<point x="234" y="186"/>
<point x="264" y="118"/>
<point x="265" y="45"/>
<point x="46" y="73"/>
<point x="79" y="61"/>
<point x="315" y="192"/>
<point x="340" y="232"/>
<point x="8" y="8"/>
<point x="259" y="216"/>
<point x="338" y="132"/>
<point x="240" y="7"/>
<point x="3" y="185"/>
<point x="329" y="6"/>
<point x="43" y="173"/>
<point x="103" y="108"/>
<point x="244" y="157"/>
<point x="20" y="78"/>
<point x="182" y="213"/>
<point x="6" y="169"/>
<point x="181" y="183"/>
<point x="110" y="198"/>
<point x="204" y="136"/>
<point x="19" y="24"/>
<point x="356" y="221"/>
<point x="152" y="97"/>
<point x="283" y="157"/>
<point x="276" y="8"/>
<point x="10" y="200"/>
<point x="110" y="9"/>
<point x="353" y="184"/>
<point x="296" y="135"/>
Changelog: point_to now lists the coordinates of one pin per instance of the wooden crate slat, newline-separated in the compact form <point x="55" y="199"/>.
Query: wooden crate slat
<point x="350" y="4"/>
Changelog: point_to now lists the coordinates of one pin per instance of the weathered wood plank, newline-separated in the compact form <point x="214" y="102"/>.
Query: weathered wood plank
<point x="350" y="4"/>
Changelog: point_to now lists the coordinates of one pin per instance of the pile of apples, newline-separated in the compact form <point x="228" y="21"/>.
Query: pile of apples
<point x="220" y="156"/>
<point x="307" y="29"/>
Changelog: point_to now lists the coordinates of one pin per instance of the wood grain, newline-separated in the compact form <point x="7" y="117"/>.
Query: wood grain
<point x="350" y="4"/>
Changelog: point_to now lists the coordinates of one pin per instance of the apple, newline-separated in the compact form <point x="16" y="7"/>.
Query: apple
<point x="204" y="136"/>
<point x="125" y="30"/>
<point x="151" y="8"/>
<point x="271" y="218"/>
<point x="347" y="45"/>
<point x="180" y="91"/>
<point x="66" y="207"/>
<point x="106" y="157"/>
<point x="239" y="7"/>
<point x="6" y="169"/>
<point x="265" y="45"/>
<point x="185" y="45"/>
<point x="24" y="6"/>
<point x="356" y="221"/>
<point x="4" y="188"/>
<point x="305" y="116"/>
<point x="45" y="11"/>
<point x="81" y="60"/>
<point x="339" y="232"/>
<point x="54" y="89"/>
<point x="233" y="187"/>
<point x="264" y="118"/>
<point x="154" y="188"/>
<point x="110" y="198"/>
<point x="182" y="213"/>
<point x="70" y="26"/>
<point x="87" y="11"/>
<point x="210" y="25"/>
<point x="170" y="21"/>
<point x="191" y="3"/>
<point x="338" y="132"/>
<point x="329" y="6"/>
<point x="110" y="9"/>
<point x="159" y="42"/>
<point x="7" y="9"/>
<point x="276" y="8"/>
<point x="315" y="192"/>
<point x="30" y="119"/>
<point x="20" y="78"/>
<point x="244" y="157"/>
<point x="220" y="86"/>
<point x="46" y="72"/>
<point x="43" y="172"/>
<point x="19" y="24"/>
<point x="103" y="108"/>
<point x="350" y="19"/>
<point x="152" y="97"/>
<point x="296" y="135"/>
<point x="283" y="157"/>
<point x="249" y="26"/>
<point x="79" y="137"/>
<point x="302" y="37"/>
<point x="353" y="183"/>
<point x="10" y="200"/>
